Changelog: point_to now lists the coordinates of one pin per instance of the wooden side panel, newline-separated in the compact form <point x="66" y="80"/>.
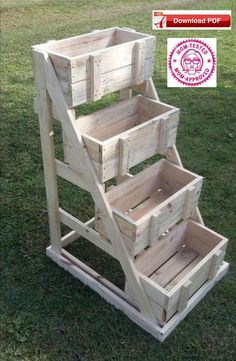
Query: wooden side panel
<point x="79" y="93"/>
<point x="198" y="276"/>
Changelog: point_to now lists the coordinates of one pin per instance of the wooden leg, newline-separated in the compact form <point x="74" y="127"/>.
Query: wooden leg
<point x="46" y="132"/>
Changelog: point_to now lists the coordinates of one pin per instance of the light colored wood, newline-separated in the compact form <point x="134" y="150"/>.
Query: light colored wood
<point x="124" y="145"/>
<point x="125" y="93"/>
<point x="172" y="266"/>
<point x="154" y="228"/>
<point x="162" y="250"/>
<point x="184" y="296"/>
<point x="69" y="238"/>
<point x="160" y="188"/>
<point x="189" y="202"/>
<point x="173" y="156"/>
<point x="95" y="82"/>
<point x="184" y="250"/>
<point x="216" y="261"/>
<point x="48" y="152"/>
<point x="65" y="171"/>
<point x="139" y="61"/>
<point x="96" y="189"/>
<point x="116" y="298"/>
<point x="138" y="118"/>
<point x="194" y="300"/>
<point x="116" y="47"/>
<point x="87" y="232"/>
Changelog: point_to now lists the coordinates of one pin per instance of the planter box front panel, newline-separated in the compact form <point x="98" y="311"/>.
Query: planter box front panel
<point x="92" y="65"/>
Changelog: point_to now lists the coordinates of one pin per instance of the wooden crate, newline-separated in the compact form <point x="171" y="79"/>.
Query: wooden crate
<point x="178" y="265"/>
<point x="91" y="65"/>
<point x="152" y="201"/>
<point x="125" y="134"/>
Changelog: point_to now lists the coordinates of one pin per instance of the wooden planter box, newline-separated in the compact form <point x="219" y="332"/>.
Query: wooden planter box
<point x="178" y="265"/>
<point x="125" y="134"/>
<point x="101" y="62"/>
<point x="151" y="202"/>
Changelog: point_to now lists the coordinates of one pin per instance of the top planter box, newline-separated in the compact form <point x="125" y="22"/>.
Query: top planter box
<point x="92" y="65"/>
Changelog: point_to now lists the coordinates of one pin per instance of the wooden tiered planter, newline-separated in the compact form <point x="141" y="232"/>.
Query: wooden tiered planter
<point x="149" y="222"/>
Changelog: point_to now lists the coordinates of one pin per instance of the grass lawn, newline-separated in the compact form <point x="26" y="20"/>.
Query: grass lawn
<point x="46" y="314"/>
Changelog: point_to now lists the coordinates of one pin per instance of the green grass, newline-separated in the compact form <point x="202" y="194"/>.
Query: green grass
<point x="47" y="315"/>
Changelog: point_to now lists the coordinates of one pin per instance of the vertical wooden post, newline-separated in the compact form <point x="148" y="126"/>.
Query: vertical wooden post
<point x="46" y="134"/>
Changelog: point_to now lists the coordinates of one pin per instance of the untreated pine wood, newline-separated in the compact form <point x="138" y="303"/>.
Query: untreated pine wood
<point x="96" y="189"/>
<point x="46" y="135"/>
<point x="172" y="153"/>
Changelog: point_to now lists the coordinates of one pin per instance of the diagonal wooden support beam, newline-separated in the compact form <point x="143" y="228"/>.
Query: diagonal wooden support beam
<point x="86" y="167"/>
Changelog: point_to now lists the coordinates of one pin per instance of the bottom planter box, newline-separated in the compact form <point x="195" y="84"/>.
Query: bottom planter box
<point x="178" y="265"/>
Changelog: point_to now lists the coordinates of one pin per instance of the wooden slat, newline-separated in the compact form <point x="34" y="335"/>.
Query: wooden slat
<point x="173" y="266"/>
<point x="183" y="273"/>
<point x="184" y="296"/>
<point x="65" y="171"/>
<point x="95" y="81"/>
<point x="216" y="261"/>
<point x="155" y="228"/>
<point x="154" y="257"/>
<point x="139" y="61"/>
<point x="124" y="145"/>
<point x="189" y="202"/>
<point x="87" y="232"/>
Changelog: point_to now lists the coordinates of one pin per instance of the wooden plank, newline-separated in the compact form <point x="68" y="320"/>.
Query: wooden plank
<point x="169" y="269"/>
<point x="216" y="261"/>
<point x="184" y="296"/>
<point x="154" y="229"/>
<point x="95" y="81"/>
<point x="189" y="202"/>
<point x="87" y="232"/>
<point x="161" y="251"/>
<point x="65" y="171"/>
<point x="139" y="52"/>
<point x="69" y="238"/>
<point x="183" y="273"/>
<point x="125" y="93"/>
<point x="80" y="92"/>
<point x="194" y="300"/>
<point x="73" y="235"/>
<point x="124" y="145"/>
<point x="84" y="42"/>
<point x="48" y="152"/>
<point x="173" y="156"/>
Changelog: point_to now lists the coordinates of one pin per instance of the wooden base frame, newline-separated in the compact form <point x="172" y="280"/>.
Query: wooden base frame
<point x="120" y="300"/>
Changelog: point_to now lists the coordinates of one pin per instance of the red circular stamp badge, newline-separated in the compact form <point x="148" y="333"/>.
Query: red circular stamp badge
<point x="192" y="62"/>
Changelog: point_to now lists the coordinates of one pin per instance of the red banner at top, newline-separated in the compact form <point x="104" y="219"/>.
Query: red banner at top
<point x="191" y="19"/>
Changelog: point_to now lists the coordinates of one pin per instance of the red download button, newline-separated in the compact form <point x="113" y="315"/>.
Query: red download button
<point x="198" y="20"/>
